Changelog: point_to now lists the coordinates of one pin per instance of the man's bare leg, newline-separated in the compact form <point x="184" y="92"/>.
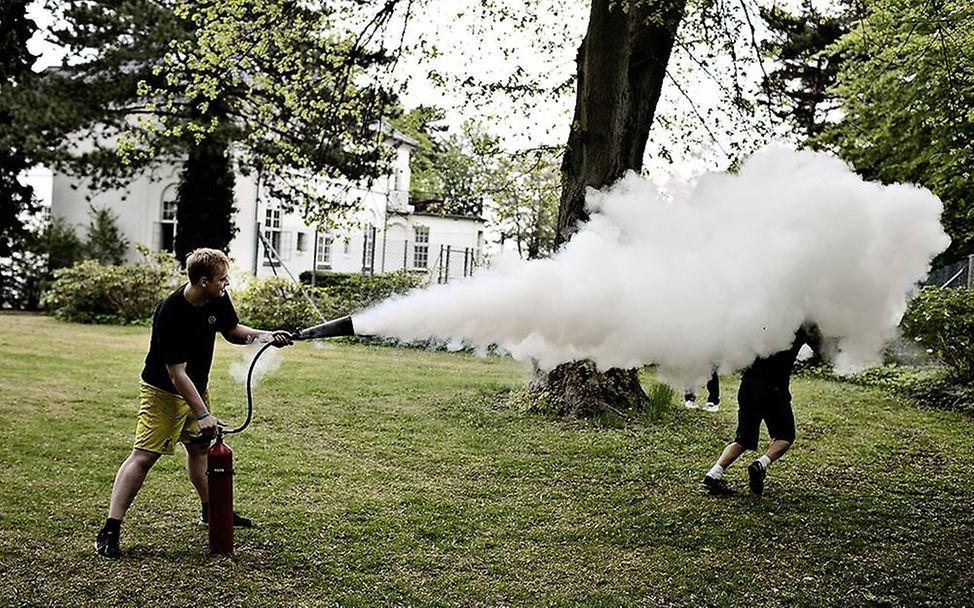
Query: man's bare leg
<point x="128" y="481"/>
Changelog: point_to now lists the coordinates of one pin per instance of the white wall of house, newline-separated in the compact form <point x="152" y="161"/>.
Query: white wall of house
<point x="139" y="207"/>
<point x="381" y="236"/>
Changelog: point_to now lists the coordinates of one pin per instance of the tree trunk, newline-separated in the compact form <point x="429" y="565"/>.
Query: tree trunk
<point x="621" y="67"/>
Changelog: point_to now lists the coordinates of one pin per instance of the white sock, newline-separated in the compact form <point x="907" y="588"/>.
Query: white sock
<point x="765" y="462"/>
<point x="716" y="471"/>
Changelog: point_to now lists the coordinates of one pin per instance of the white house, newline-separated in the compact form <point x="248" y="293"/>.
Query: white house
<point x="387" y="233"/>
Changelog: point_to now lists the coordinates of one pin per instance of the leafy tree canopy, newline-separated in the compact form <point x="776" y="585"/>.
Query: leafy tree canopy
<point x="15" y="74"/>
<point x="301" y="91"/>
<point x="907" y="88"/>
<point x="800" y="85"/>
<point x="295" y="88"/>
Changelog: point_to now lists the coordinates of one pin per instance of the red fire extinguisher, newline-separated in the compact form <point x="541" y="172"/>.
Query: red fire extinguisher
<point x="219" y="476"/>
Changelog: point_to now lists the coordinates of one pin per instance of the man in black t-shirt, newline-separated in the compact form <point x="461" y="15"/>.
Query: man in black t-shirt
<point x="174" y="402"/>
<point x="763" y="395"/>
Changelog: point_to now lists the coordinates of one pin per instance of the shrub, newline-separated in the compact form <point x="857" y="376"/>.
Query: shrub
<point x="360" y="291"/>
<point x="89" y="292"/>
<point x="105" y="242"/>
<point x="942" y="320"/>
<point x="325" y="278"/>
<point x="278" y="303"/>
<point x="29" y="270"/>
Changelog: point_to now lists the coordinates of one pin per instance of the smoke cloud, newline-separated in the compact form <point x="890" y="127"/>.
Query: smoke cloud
<point x="268" y="362"/>
<point x="718" y="274"/>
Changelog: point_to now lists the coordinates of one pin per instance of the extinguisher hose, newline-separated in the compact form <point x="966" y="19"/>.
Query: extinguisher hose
<point x="250" y="395"/>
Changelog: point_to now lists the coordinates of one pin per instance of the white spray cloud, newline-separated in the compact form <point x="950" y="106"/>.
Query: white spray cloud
<point x="714" y="275"/>
<point x="268" y="362"/>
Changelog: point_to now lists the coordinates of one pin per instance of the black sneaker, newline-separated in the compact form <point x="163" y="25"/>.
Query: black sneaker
<point x="106" y="544"/>
<point x="755" y="477"/>
<point x="717" y="487"/>
<point x="238" y="521"/>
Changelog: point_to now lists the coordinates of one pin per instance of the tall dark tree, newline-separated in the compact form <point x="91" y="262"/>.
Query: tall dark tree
<point x="15" y="74"/>
<point x="205" y="198"/>
<point x="621" y="68"/>
<point x="800" y="44"/>
<point x="104" y="242"/>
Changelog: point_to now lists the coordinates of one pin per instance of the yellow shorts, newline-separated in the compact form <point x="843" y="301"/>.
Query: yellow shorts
<point x="164" y="419"/>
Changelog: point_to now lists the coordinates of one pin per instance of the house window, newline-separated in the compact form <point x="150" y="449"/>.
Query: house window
<point x="167" y="226"/>
<point x="302" y="245"/>
<point x="279" y="241"/>
<point x="421" y="246"/>
<point x="272" y="218"/>
<point x="368" y="249"/>
<point x="324" y="251"/>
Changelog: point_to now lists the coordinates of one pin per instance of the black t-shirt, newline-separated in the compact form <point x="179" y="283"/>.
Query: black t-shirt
<point x="183" y="333"/>
<point x="774" y="371"/>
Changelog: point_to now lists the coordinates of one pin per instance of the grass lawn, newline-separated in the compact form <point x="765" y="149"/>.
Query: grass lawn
<point x="387" y="477"/>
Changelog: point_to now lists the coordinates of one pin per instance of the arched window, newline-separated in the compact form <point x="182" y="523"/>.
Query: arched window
<point x="165" y="233"/>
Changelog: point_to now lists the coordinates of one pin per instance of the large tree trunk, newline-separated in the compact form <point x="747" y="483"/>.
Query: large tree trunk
<point x="621" y="68"/>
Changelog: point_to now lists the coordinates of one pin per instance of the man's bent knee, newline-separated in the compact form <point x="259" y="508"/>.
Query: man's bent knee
<point x="141" y="459"/>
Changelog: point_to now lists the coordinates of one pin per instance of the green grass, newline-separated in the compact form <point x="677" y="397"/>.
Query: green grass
<point x="385" y="477"/>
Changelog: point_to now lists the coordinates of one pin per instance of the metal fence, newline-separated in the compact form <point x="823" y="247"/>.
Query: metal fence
<point x="958" y="274"/>
<point x="442" y="262"/>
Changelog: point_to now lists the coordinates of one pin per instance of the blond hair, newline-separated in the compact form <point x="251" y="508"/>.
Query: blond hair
<point x="205" y="263"/>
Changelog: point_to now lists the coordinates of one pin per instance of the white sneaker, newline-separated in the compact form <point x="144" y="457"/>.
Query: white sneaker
<point x="711" y="407"/>
<point x="690" y="404"/>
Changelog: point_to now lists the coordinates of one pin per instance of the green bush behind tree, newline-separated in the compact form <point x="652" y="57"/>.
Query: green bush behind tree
<point x="279" y="303"/>
<point x="942" y="320"/>
<point x="30" y="268"/>
<point x="90" y="292"/>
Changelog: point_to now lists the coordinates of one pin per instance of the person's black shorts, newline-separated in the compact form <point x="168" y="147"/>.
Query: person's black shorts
<point x="759" y="401"/>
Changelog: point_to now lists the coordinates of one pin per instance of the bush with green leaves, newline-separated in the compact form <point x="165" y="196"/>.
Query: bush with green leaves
<point x="105" y="243"/>
<point x="360" y="291"/>
<point x="89" y="292"/>
<point x="29" y="270"/>
<point x="278" y="303"/>
<point x="942" y="321"/>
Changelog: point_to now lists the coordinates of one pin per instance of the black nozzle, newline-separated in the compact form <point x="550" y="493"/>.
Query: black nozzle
<point x="329" y="329"/>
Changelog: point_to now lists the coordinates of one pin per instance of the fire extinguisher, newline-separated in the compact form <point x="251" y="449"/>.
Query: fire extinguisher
<point x="219" y="477"/>
<point x="219" y="482"/>
<point x="219" y="458"/>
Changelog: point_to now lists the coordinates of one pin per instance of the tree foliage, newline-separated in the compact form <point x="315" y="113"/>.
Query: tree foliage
<point x="81" y="108"/>
<point x="907" y="88"/>
<point x="800" y="85"/>
<point x="459" y="173"/>
<point x="204" y="198"/>
<point x="16" y="60"/>
<point x="524" y="196"/>
<point x="450" y="172"/>
<point x="105" y="242"/>
<point x="300" y="93"/>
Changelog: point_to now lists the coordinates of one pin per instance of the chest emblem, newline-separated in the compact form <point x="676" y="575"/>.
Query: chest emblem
<point x="212" y="319"/>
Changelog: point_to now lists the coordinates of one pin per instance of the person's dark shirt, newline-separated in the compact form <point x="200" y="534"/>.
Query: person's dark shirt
<point x="775" y="370"/>
<point x="183" y="333"/>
